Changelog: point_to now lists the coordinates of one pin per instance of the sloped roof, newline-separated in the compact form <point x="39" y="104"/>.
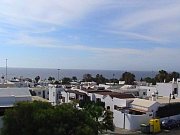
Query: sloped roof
<point x="76" y="92"/>
<point x="115" y="94"/>
<point x="17" y="92"/>
<point x="143" y="102"/>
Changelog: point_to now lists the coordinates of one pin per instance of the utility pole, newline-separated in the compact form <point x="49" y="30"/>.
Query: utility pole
<point x="58" y="74"/>
<point x="6" y="70"/>
<point x="113" y="79"/>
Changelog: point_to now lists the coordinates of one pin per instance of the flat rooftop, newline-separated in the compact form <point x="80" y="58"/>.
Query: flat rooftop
<point x="165" y="100"/>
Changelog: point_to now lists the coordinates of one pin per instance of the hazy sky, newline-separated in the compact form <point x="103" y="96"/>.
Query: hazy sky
<point x="91" y="34"/>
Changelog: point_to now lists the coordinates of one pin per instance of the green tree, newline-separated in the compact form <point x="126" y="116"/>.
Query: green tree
<point x="150" y="80"/>
<point x="66" y="80"/>
<point x="162" y="76"/>
<point x="100" y="79"/>
<point x="51" y="78"/>
<point x="108" y="120"/>
<point x="74" y="78"/>
<point x="39" y="118"/>
<point x="87" y="78"/>
<point x="128" y="77"/>
<point x="174" y="75"/>
<point x="37" y="78"/>
<point x="96" y="111"/>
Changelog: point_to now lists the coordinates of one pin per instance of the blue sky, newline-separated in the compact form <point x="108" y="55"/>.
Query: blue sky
<point x="90" y="34"/>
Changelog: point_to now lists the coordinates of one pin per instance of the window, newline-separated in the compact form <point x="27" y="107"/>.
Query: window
<point x="144" y="93"/>
<point x="39" y="93"/>
<point x="175" y="91"/>
<point x="108" y="107"/>
<point x="63" y="99"/>
<point x="98" y="99"/>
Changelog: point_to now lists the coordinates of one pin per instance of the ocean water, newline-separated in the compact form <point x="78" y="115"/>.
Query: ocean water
<point x="45" y="73"/>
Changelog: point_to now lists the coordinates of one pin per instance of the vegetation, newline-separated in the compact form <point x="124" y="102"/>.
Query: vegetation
<point x="99" y="79"/>
<point x="74" y="78"/>
<point x="87" y="78"/>
<point x="37" y="78"/>
<point x="97" y="110"/>
<point x="168" y="110"/>
<point x="150" y="80"/>
<point x="51" y="78"/>
<point x="162" y="76"/>
<point x="40" y="118"/>
<point x="66" y="80"/>
<point x="108" y="120"/>
<point x="128" y="77"/>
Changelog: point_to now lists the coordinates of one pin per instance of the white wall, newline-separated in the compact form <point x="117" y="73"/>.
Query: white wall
<point x="142" y="93"/>
<point x="150" y="89"/>
<point x="120" y="102"/>
<point x="39" y="92"/>
<point x="9" y="100"/>
<point x="109" y="102"/>
<point x="53" y="95"/>
<point x="164" y="89"/>
<point x="178" y="83"/>
<point x="132" y="122"/>
<point x="27" y="98"/>
<point x="104" y="85"/>
<point x="95" y="96"/>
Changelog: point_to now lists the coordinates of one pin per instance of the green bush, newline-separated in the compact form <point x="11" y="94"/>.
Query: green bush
<point x="168" y="110"/>
<point x="39" y="118"/>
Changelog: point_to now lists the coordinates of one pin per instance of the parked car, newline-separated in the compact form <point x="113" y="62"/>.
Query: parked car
<point x="169" y="124"/>
<point x="178" y="123"/>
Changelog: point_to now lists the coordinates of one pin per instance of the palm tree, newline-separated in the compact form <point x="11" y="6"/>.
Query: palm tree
<point x="128" y="77"/>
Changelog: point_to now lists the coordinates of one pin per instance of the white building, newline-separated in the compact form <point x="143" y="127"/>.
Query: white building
<point x="55" y="94"/>
<point x="40" y="91"/>
<point x="139" y="111"/>
<point x="9" y="96"/>
<point x="150" y="89"/>
<point x="110" y="98"/>
<point x="165" y="89"/>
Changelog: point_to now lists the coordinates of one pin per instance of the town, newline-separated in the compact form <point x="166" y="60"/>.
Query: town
<point x="132" y="103"/>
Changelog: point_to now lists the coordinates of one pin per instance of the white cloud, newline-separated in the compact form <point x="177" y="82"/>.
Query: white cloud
<point x="58" y="12"/>
<point x="154" y="21"/>
<point x="149" y="15"/>
<point x="138" y="36"/>
<point x="28" y="40"/>
<point x="110" y="58"/>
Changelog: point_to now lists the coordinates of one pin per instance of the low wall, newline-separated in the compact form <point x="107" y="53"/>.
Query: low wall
<point x="132" y="122"/>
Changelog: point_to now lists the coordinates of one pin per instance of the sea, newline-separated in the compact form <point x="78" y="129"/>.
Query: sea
<point x="45" y="73"/>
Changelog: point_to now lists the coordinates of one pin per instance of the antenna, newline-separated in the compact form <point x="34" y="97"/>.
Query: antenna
<point x="6" y="70"/>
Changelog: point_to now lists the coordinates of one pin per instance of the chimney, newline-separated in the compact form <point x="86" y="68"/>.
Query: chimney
<point x="153" y="95"/>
